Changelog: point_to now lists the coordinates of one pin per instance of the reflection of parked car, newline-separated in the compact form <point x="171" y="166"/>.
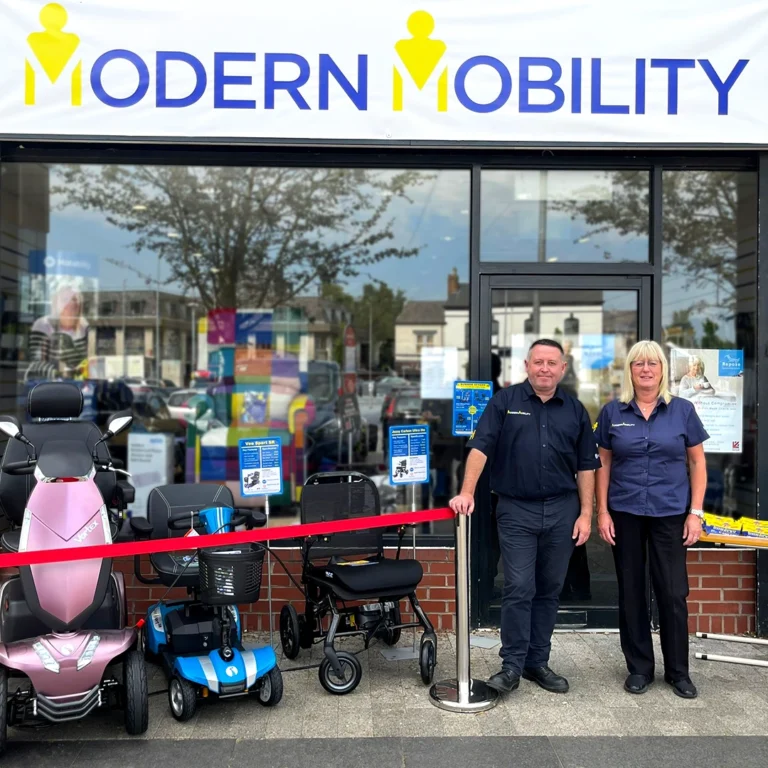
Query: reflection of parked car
<point x="181" y="403"/>
<point x="403" y="407"/>
<point x="387" y="384"/>
<point x="141" y="385"/>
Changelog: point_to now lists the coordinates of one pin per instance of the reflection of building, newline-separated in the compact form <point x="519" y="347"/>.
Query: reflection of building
<point x="124" y="323"/>
<point x="325" y="320"/>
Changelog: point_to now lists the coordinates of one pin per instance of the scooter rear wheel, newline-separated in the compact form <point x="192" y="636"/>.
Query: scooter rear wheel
<point x="182" y="698"/>
<point x="3" y="708"/>
<point x="136" y="695"/>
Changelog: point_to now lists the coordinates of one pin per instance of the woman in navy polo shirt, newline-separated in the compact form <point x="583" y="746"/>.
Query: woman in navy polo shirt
<point x="650" y="490"/>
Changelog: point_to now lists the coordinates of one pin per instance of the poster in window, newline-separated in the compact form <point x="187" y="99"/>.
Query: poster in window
<point x="713" y="380"/>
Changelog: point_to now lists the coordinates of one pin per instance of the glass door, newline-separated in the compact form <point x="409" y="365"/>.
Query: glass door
<point x="596" y="320"/>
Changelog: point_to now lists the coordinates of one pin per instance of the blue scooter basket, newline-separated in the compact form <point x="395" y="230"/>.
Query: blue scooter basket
<point x="231" y="575"/>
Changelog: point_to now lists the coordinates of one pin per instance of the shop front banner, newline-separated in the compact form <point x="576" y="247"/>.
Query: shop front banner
<point x="555" y="71"/>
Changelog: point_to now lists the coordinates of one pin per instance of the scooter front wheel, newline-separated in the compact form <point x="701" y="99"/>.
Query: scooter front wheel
<point x="182" y="698"/>
<point x="271" y="690"/>
<point x="136" y="694"/>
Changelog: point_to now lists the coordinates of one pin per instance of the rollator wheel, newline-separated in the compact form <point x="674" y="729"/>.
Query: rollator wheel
<point x="3" y="709"/>
<point x="271" y="690"/>
<point x="351" y="674"/>
<point x="427" y="660"/>
<point x="392" y="636"/>
<point x="136" y="708"/>
<point x="182" y="698"/>
<point x="289" y="631"/>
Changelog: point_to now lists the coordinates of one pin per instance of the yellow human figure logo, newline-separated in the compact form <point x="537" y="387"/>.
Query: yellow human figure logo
<point x="54" y="49"/>
<point x="421" y="55"/>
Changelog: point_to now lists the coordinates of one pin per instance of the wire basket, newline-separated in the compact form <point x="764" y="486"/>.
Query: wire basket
<point x="231" y="575"/>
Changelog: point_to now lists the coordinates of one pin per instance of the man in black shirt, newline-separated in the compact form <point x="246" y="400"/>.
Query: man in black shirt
<point x="543" y="457"/>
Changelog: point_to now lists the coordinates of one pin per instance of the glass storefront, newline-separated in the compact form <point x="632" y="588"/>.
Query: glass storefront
<point x="227" y="302"/>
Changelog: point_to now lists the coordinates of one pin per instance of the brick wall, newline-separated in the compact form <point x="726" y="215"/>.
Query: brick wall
<point x="722" y="591"/>
<point x="436" y="591"/>
<point x="721" y="600"/>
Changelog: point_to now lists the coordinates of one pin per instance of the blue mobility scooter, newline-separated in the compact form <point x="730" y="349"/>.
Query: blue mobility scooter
<point x="199" y="640"/>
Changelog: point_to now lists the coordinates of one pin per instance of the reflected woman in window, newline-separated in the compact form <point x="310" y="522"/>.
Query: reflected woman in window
<point x="650" y="492"/>
<point x="695" y="382"/>
<point x="58" y="343"/>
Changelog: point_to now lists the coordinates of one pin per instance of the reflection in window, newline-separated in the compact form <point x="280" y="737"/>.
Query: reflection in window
<point x="709" y="319"/>
<point x="574" y="216"/>
<point x="255" y="297"/>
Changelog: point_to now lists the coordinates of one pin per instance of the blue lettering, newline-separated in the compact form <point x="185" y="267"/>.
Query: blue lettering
<point x="673" y="66"/>
<point x="639" y="86"/>
<point x="292" y="86"/>
<point x="220" y="80"/>
<point x="550" y="84"/>
<point x="98" y="69"/>
<point x="723" y="88"/>
<point x="576" y="86"/>
<point x="358" y="96"/>
<point x="598" y="108"/>
<point x="201" y="79"/>
<point x="461" y="87"/>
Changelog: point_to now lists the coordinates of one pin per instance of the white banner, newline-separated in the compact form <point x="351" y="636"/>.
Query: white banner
<point x="638" y="71"/>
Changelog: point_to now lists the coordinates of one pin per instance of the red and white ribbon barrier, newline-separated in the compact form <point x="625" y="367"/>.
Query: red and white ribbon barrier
<point x="180" y="543"/>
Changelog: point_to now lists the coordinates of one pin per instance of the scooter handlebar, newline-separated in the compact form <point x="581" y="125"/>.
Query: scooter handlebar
<point x="24" y="467"/>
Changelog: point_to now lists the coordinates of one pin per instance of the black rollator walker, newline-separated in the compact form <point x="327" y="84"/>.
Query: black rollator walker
<point x="351" y="567"/>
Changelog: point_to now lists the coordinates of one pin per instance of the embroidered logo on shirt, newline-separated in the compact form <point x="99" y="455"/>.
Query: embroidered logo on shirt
<point x="518" y="413"/>
<point x="623" y="424"/>
<point x="594" y="427"/>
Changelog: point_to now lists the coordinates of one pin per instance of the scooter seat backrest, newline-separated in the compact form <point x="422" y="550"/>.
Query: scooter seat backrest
<point x="167" y="500"/>
<point x="55" y="400"/>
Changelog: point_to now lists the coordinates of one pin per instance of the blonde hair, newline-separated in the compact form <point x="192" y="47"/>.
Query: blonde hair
<point x="645" y="350"/>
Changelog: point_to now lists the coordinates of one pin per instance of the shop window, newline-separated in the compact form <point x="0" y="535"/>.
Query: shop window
<point x="709" y="320"/>
<point x="564" y="216"/>
<point x="299" y="276"/>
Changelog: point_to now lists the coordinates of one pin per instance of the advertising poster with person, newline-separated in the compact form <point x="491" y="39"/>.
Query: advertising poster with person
<point x="712" y="379"/>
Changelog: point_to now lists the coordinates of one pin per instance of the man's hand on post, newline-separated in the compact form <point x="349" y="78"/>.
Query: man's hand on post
<point x="463" y="504"/>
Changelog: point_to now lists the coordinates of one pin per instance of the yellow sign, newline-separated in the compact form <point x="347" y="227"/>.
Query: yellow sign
<point x="421" y="56"/>
<point x="53" y="48"/>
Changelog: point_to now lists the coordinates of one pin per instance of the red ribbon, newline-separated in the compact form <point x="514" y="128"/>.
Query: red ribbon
<point x="179" y="543"/>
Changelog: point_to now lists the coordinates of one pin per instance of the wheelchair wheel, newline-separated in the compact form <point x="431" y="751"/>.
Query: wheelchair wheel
<point x="271" y="689"/>
<point x="182" y="698"/>
<point x="427" y="659"/>
<point x="289" y="631"/>
<point x="392" y="636"/>
<point x="351" y="674"/>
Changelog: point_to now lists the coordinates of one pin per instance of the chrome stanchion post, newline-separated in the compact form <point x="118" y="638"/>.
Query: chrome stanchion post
<point x="462" y="694"/>
<point x="269" y="575"/>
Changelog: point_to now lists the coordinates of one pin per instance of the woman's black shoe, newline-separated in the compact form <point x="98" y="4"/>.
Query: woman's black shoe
<point x="637" y="684"/>
<point x="685" y="689"/>
<point x="504" y="681"/>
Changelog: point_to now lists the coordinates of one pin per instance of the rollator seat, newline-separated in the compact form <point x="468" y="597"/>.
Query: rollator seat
<point x="371" y="578"/>
<point x="9" y="541"/>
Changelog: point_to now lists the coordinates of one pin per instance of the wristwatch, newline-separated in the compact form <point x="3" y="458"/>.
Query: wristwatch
<point x="698" y="512"/>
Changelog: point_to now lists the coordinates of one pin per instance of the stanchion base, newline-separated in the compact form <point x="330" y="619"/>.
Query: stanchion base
<point x="445" y="695"/>
<point x="399" y="654"/>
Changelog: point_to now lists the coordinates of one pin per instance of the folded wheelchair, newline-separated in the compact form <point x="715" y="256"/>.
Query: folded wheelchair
<point x="346" y="568"/>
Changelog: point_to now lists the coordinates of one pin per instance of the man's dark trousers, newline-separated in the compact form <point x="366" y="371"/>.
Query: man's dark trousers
<point x="536" y="539"/>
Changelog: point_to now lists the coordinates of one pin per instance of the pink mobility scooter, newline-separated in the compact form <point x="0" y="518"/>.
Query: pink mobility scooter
<point x="62" y="625"/>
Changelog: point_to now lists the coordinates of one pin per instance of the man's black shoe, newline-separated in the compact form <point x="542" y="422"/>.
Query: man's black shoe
<point x="547" y="679"/>
<point x="685" y="689"/>
<point x="505" y="681"/>
<point x="637" y="684"/>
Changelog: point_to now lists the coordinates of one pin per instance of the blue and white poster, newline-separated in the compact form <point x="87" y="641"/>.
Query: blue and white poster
<point x="713" y="380"/>
<point x="261" y="466"/>
<point x="409" y="454"/>
<point x="469" y="401"/>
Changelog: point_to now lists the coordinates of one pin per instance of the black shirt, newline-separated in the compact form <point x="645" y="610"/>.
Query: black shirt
<point x="535" y="448"/>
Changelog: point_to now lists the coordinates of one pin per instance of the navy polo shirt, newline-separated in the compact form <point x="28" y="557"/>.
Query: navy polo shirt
<point x="649" y="463"/>
<point x="535" y="448"/>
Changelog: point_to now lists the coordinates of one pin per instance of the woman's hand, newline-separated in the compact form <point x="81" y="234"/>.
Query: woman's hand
<point x="691" y="530"/>
<point x="605" y="527"/>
